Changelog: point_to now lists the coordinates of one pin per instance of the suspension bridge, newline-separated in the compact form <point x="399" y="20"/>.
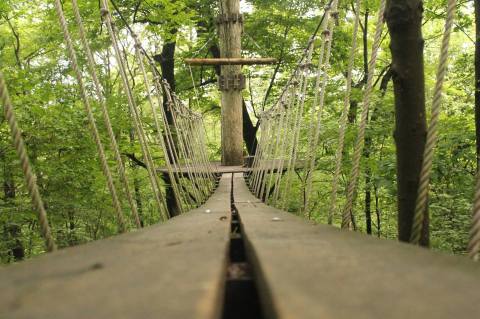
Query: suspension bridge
<point x="225" y="246"/>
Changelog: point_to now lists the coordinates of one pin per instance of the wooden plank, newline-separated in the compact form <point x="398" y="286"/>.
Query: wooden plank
<point x="173" y="270"/>
<point x="231" y="61"/>
<point x="317" y="271"/>
<point x="268" y="165"/>
<point x="217" y="167"/>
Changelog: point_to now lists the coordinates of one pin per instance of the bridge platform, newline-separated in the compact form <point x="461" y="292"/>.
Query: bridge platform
<point x="235" y="257"/>
<point x="218" y="168"/>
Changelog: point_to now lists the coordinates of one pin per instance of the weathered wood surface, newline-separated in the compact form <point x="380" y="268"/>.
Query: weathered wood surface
<point x="218" y="168"/>
<point x="173" y="270"/>
<point x="317" y="271"/>
<point x="231" y="61"/>
<point x="177" y="270"/>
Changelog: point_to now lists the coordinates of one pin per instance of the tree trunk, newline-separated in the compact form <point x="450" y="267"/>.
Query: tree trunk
<point x="167" y="65"/>
<point x="232" y="116"/>
<point x="368" y="186"/>
<point x="249" y="130"/>
<point x="170" y="197"/>
<point x="404" y="19"/>
<point x="136" y="182"/>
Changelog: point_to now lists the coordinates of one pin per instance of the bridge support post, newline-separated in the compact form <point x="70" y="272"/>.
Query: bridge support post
<point x="231" y="82"/>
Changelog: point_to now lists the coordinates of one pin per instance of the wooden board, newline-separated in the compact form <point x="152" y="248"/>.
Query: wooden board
<point x="231" y="61"/>
<point x="217" y="169"/>
<point x="173" y="270"/>
<point x="270" y="165"/>
<point x="316" y="271"/>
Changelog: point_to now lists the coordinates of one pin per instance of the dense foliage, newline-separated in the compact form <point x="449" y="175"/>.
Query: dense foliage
<point x="33" y="59"/>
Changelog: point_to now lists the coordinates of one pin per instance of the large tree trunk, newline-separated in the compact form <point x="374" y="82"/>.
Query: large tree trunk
<point x="404" y="19"/>
<point x="477" y="77"/>
<point x="167" y="66"/>
<point x="230" y="35"/>
<point x="249" y="130"/>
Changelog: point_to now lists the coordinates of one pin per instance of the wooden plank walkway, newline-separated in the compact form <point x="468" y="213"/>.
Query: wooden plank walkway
<point x="173" y="270"/>
<point x="192" y="267"/>
<point x="218" y="168"/>
<point x="316" y="271"/>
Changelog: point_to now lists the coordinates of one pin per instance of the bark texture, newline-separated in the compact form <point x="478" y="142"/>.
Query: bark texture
<point x="404" y="20"/>
<point x="232" y="115"/>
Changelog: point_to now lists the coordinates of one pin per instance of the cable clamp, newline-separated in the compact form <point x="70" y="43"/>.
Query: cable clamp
<point x="229" y="18"/>
<point x="235" y="82"/>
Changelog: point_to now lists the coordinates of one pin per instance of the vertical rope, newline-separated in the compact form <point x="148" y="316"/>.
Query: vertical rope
<point x="359" y="143"/>
<point x="160" y="200"/>
<point x="320" y="92"/>
<point x="93" y="126"/>
<point x="181" y="142"/>
<point x="140" y="63"/>
<point x="279" y="148"/>
<point x="285" y="133"/>
<point x="106" y="117"/>
<point x="172" y="151"/>
<point x="344" y="117"/>
<point x="297" y="128"/>
<point x="432" y="133"/>
<point x="30" y="177"/>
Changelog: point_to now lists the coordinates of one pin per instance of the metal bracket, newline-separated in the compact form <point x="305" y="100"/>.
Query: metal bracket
<point x="229" y="18"/>
<point x="235" y="82"/>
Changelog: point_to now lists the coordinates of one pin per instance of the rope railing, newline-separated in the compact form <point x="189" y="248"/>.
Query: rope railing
<point x="285" y="127"/>
<point x="105" y="113"/>
<point x="289" y="122"/>
<point x="181" y="152"/>
<point x="91" y="119"/>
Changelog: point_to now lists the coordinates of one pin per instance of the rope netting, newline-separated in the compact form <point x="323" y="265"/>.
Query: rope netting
<point x="291" y="130"/>
<point x="180" y="138"/>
